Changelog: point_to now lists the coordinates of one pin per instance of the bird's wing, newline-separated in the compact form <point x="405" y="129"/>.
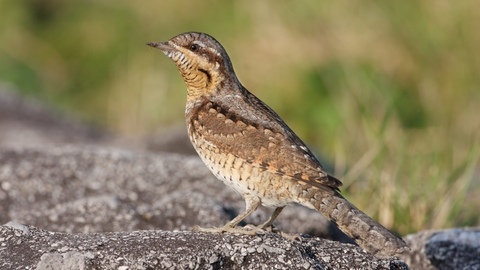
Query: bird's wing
<point x="274" y="148"/>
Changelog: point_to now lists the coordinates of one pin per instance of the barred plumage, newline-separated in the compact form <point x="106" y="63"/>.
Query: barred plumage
<point x="251" y="149"/>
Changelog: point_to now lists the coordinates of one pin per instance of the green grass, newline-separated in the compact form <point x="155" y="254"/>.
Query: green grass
<point x="387" y="92"/>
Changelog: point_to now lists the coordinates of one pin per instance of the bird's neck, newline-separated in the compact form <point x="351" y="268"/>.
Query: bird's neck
<point x="209" y="86"/>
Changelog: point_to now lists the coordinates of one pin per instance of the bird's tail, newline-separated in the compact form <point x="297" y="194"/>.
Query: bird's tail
<point x="365" y="231"/>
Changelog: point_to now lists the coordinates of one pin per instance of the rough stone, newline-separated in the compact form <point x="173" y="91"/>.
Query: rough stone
<point x="92" y="189"/>
<point x="454" y="249"/>
<point x="180" y="250"/>
<point x="444" y="249"/>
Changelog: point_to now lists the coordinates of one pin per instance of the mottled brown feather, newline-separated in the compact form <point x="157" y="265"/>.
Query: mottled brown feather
<point x="249" y="147"/>
<point x="283" y="152"/>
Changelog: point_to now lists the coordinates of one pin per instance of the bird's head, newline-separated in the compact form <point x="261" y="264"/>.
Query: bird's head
<point x="201" y="60"/>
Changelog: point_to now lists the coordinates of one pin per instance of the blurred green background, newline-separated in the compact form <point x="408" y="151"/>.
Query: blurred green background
<point x="387" y="91"/>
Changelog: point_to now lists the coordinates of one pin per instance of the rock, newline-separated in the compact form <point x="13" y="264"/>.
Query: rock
<point x="92" y="189"/>
<point x="444" y="249"/>
<point x="454" y="249"/>
<point x="177" y="250"/>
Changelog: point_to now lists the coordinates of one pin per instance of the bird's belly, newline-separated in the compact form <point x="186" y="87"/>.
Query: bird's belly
<point x="246" y="178"/>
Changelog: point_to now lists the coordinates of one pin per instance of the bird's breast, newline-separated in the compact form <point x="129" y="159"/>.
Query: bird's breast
<point x="241" y="175"/>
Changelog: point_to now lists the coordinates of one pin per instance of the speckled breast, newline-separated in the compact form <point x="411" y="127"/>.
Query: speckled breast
<point x="242" y="176"/>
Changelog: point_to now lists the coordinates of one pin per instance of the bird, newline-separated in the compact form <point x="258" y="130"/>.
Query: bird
<point x="251" y="149"/>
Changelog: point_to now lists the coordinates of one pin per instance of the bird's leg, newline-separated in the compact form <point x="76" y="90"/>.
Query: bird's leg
<point x="271" y="219"/>
<point x="252" y="204"/>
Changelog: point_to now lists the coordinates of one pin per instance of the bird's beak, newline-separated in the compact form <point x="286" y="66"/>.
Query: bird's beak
<point x="166" y="48"/>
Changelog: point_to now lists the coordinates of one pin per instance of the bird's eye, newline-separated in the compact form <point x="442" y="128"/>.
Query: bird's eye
<point x="194" y="47"/>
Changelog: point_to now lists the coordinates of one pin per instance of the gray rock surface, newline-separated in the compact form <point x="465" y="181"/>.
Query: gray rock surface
<point x="74" y="189"/>
<point x="31" y="247"/>
<point x="90" y="189"/>
<point x="454" y="249"/>
<point x="444" y="249"/>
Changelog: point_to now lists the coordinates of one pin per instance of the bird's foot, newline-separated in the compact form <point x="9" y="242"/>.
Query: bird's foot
<point x="270" y="228"/>
<point x="247" y="230"/>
